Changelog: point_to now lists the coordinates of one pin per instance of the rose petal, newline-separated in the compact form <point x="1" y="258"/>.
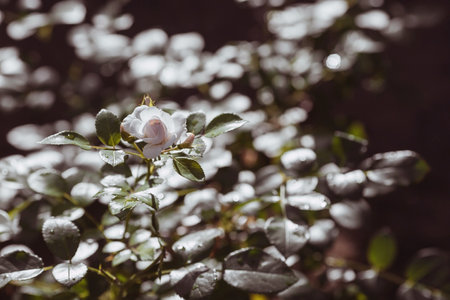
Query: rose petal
<point x="146" y="113"/>
<point x="152" y="151"/>
<point x="155" y="131"/>
<point x="179" y="122"/>
<point x="133" y="126"/>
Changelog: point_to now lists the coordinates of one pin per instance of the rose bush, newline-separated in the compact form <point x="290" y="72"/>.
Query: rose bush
<point x="156" y="128"/>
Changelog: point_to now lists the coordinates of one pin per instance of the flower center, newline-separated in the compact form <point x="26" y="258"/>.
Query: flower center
<point x="156" y="130"/>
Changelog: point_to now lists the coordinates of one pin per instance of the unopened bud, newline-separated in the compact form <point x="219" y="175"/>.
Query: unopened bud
<point x="188" y="141"/>
<point x="147" y="100"/>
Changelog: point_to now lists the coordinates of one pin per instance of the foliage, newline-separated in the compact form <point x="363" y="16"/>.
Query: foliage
<point x="245" y="201"/>
<point x="161" y="228"/>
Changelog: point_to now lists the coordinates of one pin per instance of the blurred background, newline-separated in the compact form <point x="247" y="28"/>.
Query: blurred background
<point x="375" y="68"/>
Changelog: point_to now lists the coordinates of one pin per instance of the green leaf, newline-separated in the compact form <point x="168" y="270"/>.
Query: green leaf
<point x="107" y="126"/>
<point x="195" y="122"/>
<point x="113" y="157"/>
<point x="121" y="257"/>
<point x="255" y="271"/>
<point x="347" y="185"/>
<point x="62" y="237"/>
<point x="195" y="245"/>
<point x="147" y="198"/>
<point x="407" y="291"/>
<point x="196" y="281"/>
<point x="382" y="250"/>
<point x="149" y="249"/>
<point x="121" y="207"/>
<point x="299" y="160"/>
<point x="139" y="236"/>
<point x="19" y="265"/>
<point x="69" y="274"/>
<point x="298" y="289"/>
<point x="47" y="182"/>
<point x="312" y="201"/>
<point x="430" y="266"/>
<point x="84" y="193"/>
<point x="286" y="235"/>
<point x="188" y="168"/>
<point x="223" y="123"/>
<point x="67" y="138"/>
<point x="199" y="147"/>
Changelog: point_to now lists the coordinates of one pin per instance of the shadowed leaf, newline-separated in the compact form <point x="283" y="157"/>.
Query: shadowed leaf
<point x="255" y="271"/>
<point x="62" y="237"/>
<point x="107" y="126"/>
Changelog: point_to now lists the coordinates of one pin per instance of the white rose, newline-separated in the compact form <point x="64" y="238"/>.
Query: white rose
<point x="156" y="128"/>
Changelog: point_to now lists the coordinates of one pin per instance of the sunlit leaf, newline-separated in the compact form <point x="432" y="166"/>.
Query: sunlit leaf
<point x="85" y="250"/>
<point x="223" y="123"/>
<point x="286" y="235"/>
<point x="382" y="250"/>
<point x="188" y="168"/>
<point x="67" y="138"/>
<point x="61" y="236"/>
<point x="139" y="236"/>
<point x="149" y="249"/>
<point x="349" y="185"/>
<point x="198" y="146"/>
<point x="253" y="270"/>
<point x="122" y="257"/>
<point x="195" y="245"/>
<point x="84" y="193"/>
<point x="122" y="206"/>
<point x="303" y="185"/>
<point x="114" y="246"/>
<point x="147" y="198"/>
<point x="113" y="157"/>
<point x="69" y="274"/>
<point x="311" y="201"/>
<point x="322" y="232"/>
<point x="47" y="182"/>
<point x="299" y="160"/>
<point x="8" y="226"/>
<point x="107" y="126"/>
<point x="396" y="168"/>
<point x="114" y="181"/>
<point x="19" y="265"/>
<point x="300" y="288"/>
<point x="350" y="214"/>
<point x="195" y="122"/>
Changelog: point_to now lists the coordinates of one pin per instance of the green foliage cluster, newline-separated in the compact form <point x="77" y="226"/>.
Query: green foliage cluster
<point x="246" y="204"/>
<point x="262" y="233"/>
